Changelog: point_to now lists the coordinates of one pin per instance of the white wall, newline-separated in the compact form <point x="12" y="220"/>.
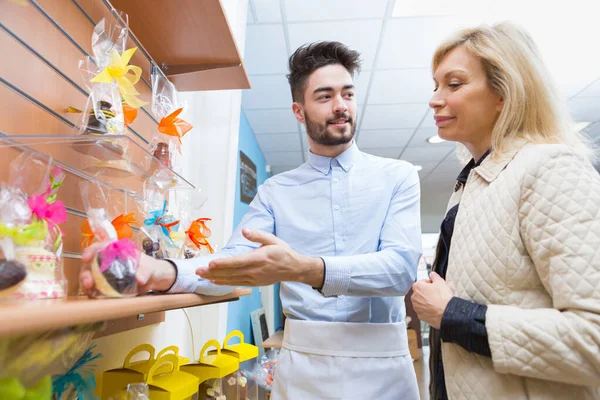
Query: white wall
<point x="210" y="162"/>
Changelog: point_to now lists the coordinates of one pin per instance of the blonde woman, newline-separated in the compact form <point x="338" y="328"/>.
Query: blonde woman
<point x="515" y="293"/>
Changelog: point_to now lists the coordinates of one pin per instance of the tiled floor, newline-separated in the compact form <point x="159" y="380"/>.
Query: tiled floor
<point x="422" y="371"/>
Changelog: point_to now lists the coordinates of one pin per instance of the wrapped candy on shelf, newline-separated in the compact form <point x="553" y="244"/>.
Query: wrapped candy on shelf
<point x="113" y="101"/>
<point x="79" y="381"/>
<point x="28" y="361"/>
<point x="114" y="267"/>
<point x="123" y="222"/>
<point x="30" y="236"/>
<point x="167" y="108"/>
<point x="158" y="224"/>
<point x="193" y="237"/>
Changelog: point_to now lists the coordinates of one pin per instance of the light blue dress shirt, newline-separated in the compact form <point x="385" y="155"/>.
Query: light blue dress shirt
<point x="360" y="213"/>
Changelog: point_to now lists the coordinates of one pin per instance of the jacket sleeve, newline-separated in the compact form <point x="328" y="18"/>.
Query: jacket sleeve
<point x="559" y="215"/>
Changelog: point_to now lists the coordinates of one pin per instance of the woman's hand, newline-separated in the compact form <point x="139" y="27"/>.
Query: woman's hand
<point x="430" y="298"/>
<point x="152" y="274"/>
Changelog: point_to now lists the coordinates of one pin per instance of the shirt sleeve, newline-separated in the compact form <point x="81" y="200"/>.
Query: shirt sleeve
<point x="259" y="217"/>
<point x="393" y="268"/>
<point x="463" y="323"/>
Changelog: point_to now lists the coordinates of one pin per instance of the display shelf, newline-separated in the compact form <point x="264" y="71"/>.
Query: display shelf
<point x="116" y="161"/>
<point x="190" y="40"/>
<point x="274" y="341"/>
<point x="17" y="318"/>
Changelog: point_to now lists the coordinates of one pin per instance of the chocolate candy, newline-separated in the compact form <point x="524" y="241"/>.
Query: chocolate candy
<point x="11" y="274"/>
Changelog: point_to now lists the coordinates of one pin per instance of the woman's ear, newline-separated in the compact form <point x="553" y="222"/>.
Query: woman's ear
<point x="500" y="105"/>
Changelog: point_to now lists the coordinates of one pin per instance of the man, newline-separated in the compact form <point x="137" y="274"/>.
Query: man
<point x="342" y="234"/>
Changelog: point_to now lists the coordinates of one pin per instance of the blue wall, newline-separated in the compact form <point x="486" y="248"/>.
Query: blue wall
<point x="239" y="311"/>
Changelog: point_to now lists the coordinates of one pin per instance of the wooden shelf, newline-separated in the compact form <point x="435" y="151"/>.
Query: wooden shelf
<point x="190" y="40"/>
<point x="41" y="315"/>
<point x="274" y="341"/>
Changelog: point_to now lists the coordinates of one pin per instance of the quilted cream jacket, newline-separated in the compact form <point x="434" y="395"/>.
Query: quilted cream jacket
<point x="526" y="243"/>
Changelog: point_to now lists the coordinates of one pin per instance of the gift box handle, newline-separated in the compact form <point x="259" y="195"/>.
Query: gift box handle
<point x="164" y="351"/>
<point x="209" y="344"/>
<point x="141" y="348"/>
<point x="168" y="359"/>
<point x="231" y="335"/>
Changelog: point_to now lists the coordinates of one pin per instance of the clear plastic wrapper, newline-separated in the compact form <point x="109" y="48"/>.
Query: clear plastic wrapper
<point x="114" y="267"/>
<point x="193" y="237"/>
<point x="103" y="113"/>
<point x="121" y="219"/>
<point x="113" y="99"/>
<point x="167" y="108"/>
<point x="30" y="358"/>
<point x="158" y="224"/>
<point x="79" y="381"/>
<point x="30" y="236"/>
<point x="137" y="391"/>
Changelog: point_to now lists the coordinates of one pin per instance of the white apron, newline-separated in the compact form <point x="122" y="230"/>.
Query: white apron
<point x="344" y="360"/>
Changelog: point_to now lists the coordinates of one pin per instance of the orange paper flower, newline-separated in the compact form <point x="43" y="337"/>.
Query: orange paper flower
<point x="122" y="225"/>
<point x="173" y="126"/>
<point x="199" y="234"/>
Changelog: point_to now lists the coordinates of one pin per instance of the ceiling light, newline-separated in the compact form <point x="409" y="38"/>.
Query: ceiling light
<point x="418" y="167"/>
<point x="435" y="139"/>
<point x="579" y="126"/>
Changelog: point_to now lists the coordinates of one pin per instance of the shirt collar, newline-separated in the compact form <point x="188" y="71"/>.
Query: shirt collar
<point x="346" y="160"/>
<point x="464" y="174"/>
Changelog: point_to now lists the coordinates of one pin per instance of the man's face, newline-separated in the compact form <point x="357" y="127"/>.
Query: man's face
<point x="329" y="108"/>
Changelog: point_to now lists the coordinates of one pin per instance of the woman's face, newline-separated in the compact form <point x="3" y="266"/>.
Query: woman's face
<point x="465" y="107"/>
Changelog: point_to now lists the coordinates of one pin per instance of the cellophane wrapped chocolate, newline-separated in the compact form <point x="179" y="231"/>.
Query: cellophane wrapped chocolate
<point x="158" y="224"/>
<point x="29" y="358"/>
<point x="167" y="109"/>
<point x="30" y="236"/>
<point x="195" y="233"/>
<point x="103" y="113"/>
<point x="113" y="267"/>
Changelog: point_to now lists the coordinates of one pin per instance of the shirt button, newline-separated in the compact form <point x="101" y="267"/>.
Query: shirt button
<point x="336" y="207"/>
<point x="335" y="180"/>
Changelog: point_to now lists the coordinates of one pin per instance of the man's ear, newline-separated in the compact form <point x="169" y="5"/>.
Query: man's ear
<point x="298" y="112"/>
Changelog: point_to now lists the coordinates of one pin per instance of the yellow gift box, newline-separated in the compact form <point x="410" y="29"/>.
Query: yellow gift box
<point x="115" y="380"/>
<point x="242" y="351"/>
<point x="212" y="369"/>
<point x="173" y="384"/>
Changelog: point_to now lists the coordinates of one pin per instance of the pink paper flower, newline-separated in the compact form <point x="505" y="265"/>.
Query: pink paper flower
<point x="55" y="212"/>
<point x="123" y="249"/>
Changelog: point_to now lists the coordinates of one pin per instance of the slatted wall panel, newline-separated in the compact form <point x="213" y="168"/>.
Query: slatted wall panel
<point x="42" y="43"/>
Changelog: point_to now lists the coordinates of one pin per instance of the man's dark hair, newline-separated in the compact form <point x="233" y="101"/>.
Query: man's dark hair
<point x="310" y="57"/>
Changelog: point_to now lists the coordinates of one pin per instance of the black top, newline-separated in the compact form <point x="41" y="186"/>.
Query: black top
<point x="463" y="322"/>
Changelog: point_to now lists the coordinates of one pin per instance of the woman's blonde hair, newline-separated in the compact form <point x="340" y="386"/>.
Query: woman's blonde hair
<point x="532" y="109"/>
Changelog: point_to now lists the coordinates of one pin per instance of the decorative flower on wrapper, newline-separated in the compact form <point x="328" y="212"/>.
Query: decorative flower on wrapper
<point x="199" y="234"/>
<point x="125" y="75"/>
<point x="171" y="125"/>
<point x="165" y="222"/>
<point x="114" y="269"/>
<point x="80" y="377"/>
<point x="30" y="236"/>
<point x="54" y="212"/>
<point x="122" y="224"/>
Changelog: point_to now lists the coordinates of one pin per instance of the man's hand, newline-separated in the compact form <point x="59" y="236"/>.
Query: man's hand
<point x="273" y="262"/>
<point x="430" y="298"/>
<point x="152" y="274"/>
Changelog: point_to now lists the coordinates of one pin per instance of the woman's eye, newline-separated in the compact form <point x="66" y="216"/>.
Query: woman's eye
<point x="454" y="85"/>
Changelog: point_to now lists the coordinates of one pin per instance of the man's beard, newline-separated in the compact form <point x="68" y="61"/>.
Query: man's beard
<point x="328" y="135"/>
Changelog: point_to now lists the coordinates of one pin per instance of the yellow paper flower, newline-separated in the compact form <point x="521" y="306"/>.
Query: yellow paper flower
<point x="125" y="75"/>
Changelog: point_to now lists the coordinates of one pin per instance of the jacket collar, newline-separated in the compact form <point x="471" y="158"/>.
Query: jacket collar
<point x="346" y="160"/>
<point x="491" y="167"/>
